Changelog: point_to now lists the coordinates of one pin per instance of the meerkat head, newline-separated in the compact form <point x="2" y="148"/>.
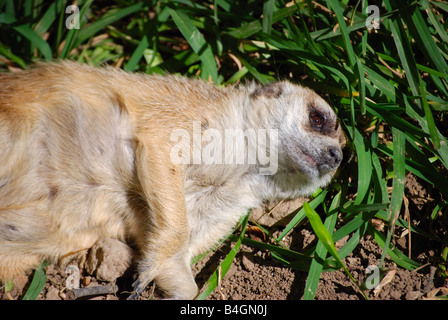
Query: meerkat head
<point x="309" y="134"/>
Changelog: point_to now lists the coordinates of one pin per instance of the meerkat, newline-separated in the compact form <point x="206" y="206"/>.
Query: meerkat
<point x="90" y="153"/>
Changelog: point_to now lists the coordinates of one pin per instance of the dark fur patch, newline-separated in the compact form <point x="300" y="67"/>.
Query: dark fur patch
<point x="328" y="126"/>
<point x="3" y="182"/>
<point x="9" y="232"/>
<point x="53" y="191"/>
<point x="271" y="90"/>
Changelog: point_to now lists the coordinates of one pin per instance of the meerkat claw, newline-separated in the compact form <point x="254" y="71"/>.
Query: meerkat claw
<point x="134" y="295"/>
<point x="138" y="289"/>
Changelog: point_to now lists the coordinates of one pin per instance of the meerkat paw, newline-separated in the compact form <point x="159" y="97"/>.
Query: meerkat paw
<point x="138" y="289"/>
<point x="178" y="286"/>
<point x="174" y="278"/>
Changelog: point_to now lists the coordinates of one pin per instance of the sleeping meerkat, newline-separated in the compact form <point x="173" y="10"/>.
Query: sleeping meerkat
<point x="167" y="163"/>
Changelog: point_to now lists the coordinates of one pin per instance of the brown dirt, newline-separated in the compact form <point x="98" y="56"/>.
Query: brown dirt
<point x="256" y="275"/>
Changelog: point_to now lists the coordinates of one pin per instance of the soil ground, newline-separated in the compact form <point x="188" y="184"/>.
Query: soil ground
<point x="256" y="275"/>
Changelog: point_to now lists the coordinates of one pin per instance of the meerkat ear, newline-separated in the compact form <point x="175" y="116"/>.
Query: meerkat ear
<point x="269" y="91"/>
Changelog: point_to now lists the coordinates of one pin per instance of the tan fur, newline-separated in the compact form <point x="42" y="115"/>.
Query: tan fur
<point x="85" y="154"/>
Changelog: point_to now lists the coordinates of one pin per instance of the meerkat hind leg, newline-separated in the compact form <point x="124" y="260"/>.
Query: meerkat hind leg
<point x="164" y="254"/>
<point x="23" y="230"/>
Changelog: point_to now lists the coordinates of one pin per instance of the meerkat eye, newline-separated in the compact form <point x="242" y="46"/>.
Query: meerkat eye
<point x="317" y="120"/>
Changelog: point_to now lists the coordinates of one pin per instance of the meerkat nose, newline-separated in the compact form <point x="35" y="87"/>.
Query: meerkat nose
<point x="333" y="156"/>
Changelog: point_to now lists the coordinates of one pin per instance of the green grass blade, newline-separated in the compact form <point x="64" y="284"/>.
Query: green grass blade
<point x="404" y="49"/>
<point x="397" y="185"/>
<point x="367" y="207"/>
<point x="262" y="78"/>
<point x="364" y="166"/>
<point x="354" y="224"/>
<point x="399" y="175"/>
<point x="336" y="6"/>
<point x="382" y="83"/>
<point x="137" y="54"/>
<point x="48" y="17"/>
<point x="36" y="40"/>
<point x="8" y="54"/>
<point x="398" y="257"/>
<point x="421" y="168"/>
<point x="237" y="76"/>
<point x="197" y="43"/>
<point x="326" y="239"/>
<point x="317" y="264"/>
<point x="38" y="282"/>
<point x="383" y="112"/>
<point x="423" y="37"/>
<point x="442" y="151"/>
<point x="289" y="258"/>
<point x="362" y="86"/>
<point x="380" y="182"/>
<point x="73" y="33"/>
<point x="268" y="9"/>
<point x="106" y="20"/>
<point x="383" y="215"/>
<point x="256" y="26"/>
<point x="429" y="118"/>
<point x="321" y="232"/>
<point x="441" y="5"/>
<point x="353" y="59"/>
<point x="300" y="215"/>
<point x="214" y="279"/>
<point x="351" y="244"/>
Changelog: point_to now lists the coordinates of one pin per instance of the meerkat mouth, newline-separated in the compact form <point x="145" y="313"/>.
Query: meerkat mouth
<point x="309" y="160"/>
<point x="307" y="164"/>
<point x="313" y="166"/>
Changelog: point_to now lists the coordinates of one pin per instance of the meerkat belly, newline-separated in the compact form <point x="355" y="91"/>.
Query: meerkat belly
<point x="215" y="208"/>
<point x="88" y="170"/>
<point x="77" y="167"/>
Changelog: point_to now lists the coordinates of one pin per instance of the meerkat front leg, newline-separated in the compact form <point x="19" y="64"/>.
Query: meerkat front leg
<point x="164" y="250"/>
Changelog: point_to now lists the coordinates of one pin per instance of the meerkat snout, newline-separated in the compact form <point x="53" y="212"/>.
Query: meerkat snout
<point x="333" y="157"/>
